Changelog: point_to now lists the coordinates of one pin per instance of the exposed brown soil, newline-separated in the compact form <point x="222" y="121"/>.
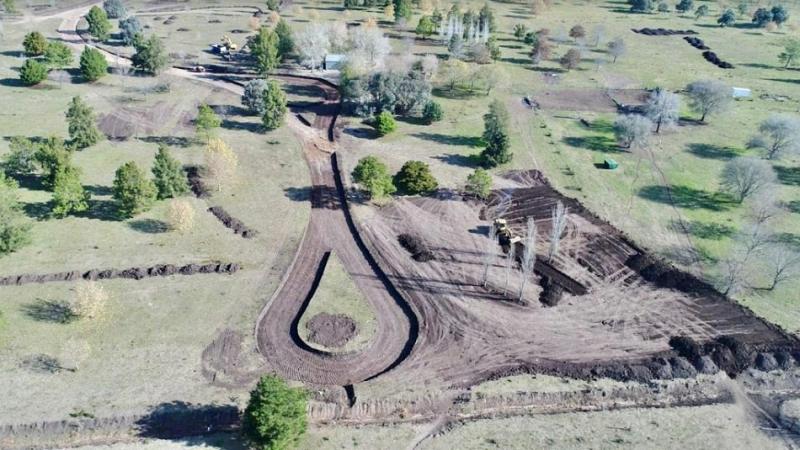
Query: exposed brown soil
<point x="199" y="189"/>
<point x="134" y="273"/>
<point x="331" y="330"/>
<point x="598" y="100"/>
<point x="663" y="32"/>
<point x="231" y="222"/>
<point x="127" y="121"/>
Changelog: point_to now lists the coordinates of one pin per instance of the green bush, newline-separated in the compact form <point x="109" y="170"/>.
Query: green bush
<point x="168" y="175"/>
<point x="15" y="227"/>
<point x="68" y="193"/>
<point x="34" y="44"/>
<point x="83" y="131"/>
<point x="274" y="106"/>
<point x="58" y="55"/>
<point x="21" y="157"/>
<point x="133" y="192"/>
<point x="93" y="64"/>
<point x="99" y="26"/>
<point x="373" y="176"/>
<point x="207" y="121"/>
<point x="432" y="112"/>
<point x="479" y="183"/>
<point x="415" y="177"/>
<point x="32" y="72"/>
<point x="385" y="123"/>
<point x="51" y="156"/>
<point x="275" y="417"/>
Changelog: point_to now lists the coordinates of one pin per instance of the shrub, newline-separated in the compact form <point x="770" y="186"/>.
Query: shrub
<point x="220" y="163"/>
<point x="34" y="44"/>
<point x="180" y="215"/>
<point x="384" y="123"/>
<point x="14" y="225"/>
<point x="168" y="175"/>
<point x="93" y="64"/>
<point x="432" y="112"/>
<point x="207" y="121"/>
<point x="374" y="177"/>
<point x="275" y="417"/>
<point x="90" y="300"/>
<point x="32" y="72"/>
<point x="68" y="193"/>
<point x="114" y="9"/>
<point x="58" y="55"/>
<point x="133" y="192"/>
<point x="479" y="183"/>
<point x="83" y="131"/>
<point x="99" y="26"/>
<point x="415" y="177"/>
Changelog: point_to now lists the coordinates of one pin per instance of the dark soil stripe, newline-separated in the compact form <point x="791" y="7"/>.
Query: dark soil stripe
<point x="231" y="222"/>
<point x="134" y="273"/>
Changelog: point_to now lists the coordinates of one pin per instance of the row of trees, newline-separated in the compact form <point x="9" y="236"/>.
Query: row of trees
<point x="414" y="178"/>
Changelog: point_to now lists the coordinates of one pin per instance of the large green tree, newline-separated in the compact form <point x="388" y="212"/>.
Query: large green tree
<point x="790" y="53"/>
<point x="99" y="25"/>
<point x="133" y="192"/>
<point x="93" y="64"/>
<point x="207" y="121"/>
<point x="14" y="225"/>
<point x="51" y="156"/>
<point x="34" y="44"/>
<point x="168" y="175"/>
<point x="21" y="157"/>
<point x="479" y="183"/>
<point x="415" y="177"/>
<point x="150" y="55"/>
<point x="373" y="176"/>
<point x="274" y="106"/>
<point x="58" y="55"/>
<point x="68" y="193"/>
<point x="264" y="48"/>
<point x="82" y="129"/>
<point x="275" y="417"/>
<point x="402" y="10"/>
<point x="495" y="135"/>
<point x="32" y="72"/>
<point x="285" y="38"/>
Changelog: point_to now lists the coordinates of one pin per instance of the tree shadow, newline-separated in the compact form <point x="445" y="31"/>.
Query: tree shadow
<point x="172" y="141"/>
<point x="96" y="189"/>
<point x="793" y="206"/>
<point x="711" y="231"/>
<point x="757" y="65"/>
<point x="789" y="176"/>
<point x="49" y="311"/>
<point x="784" y="80"/>
<point x="12" y="82"/>
<point x="602" y="144"/>
<point x="298" y="194"/>
<point x="468" y="141"/>
<point x="149" y="226"/>
<point x="39" y="210"/>
<point x="105" y="210"/>
<point x="455" y="159"/>
<point x="788" y="239"/>
<point x="512" y="60"/>
<point x="687" y="197"/>
<point x="30" y="182"/>
<point x="179" y="419"/>
<point x="253" y="127"/>
<point x="711" y="151"/>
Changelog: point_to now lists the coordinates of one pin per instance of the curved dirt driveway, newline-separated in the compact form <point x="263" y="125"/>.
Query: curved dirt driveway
<point x="330" y="229"/>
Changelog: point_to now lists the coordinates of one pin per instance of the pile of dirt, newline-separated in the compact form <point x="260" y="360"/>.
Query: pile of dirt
<point x="714" y="59"/>
<point x="231" y="222"/>
<point x="666" y="275"/>
<point x="331" y="330"/>
<point x="134" y="273"/>
<point x="552" y="292"/>
<point x="415" y="245"/>
<point x="662" y="32"/>
<point x="696" y="43"/>
<point x="199" y="188"/>
<point x="731" y="354"/>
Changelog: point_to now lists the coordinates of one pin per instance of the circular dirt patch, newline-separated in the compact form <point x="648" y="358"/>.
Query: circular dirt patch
<point x="331" y="330"/>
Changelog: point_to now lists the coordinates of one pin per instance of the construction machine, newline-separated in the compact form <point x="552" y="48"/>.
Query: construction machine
<point x="505" y="237"/>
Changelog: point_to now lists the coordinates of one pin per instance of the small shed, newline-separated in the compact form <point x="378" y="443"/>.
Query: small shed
<point x="739" y="92"/>
<point x="333" y="62"/>
<point x="611" y="164"/>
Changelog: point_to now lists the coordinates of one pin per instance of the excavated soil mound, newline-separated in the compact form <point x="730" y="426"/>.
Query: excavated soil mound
<point x="696" y="43"/>
<point x="714" y="59"/>
<point x="199" y="188"/>
<point x="231" y="222"/>
<point x="134" y="273"/>
<point x="414" y="244"/>
<point x="662" y="32"/>
<point x="331" y="330"/>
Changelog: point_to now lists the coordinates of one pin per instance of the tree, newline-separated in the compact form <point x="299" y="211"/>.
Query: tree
<point x="168" y="175"/>
<point x="571" y="60"/>
<point x="778" y="136"/>
<point x="779" y="14"/>
<point x="14" y="225"/>
<point x="388" y="11"/>
<point x="542" y="48"/>
<point x="414" y="178"/>
<point x="708" y="97"/>
<point x="115" y="9"/>
<point x="133" y="192"/>
<point x="150" y="56"/>
<point x="684" y="6"/>
<point x="701" y="12"/>
<point x="180" y="215"/>
<point x="368" y="48"/>
<point x="68" y="193"/>
<point x="129" y="29"/>
<point x="58" y="55"/>
<point x="783" y="264"/>
<point x="99" y="26"/>
<point x="479" y="184"/>
<point x="432" y="112"/>
<point x="662" y="108"/>
<point x="275" y="417"/>
<point x="220" y="163"/>
<point x="633" y="130"/>
<point x="373" y="176"/>
<point x="274" y="106"/>
<point x="51" y="156"/>
<point x="641" y="6"/>
<point x="264" y="49"/>
<point x="207" y="121"/>
<point x="34" y="44"/>
<point x="616" y="48"/>
<point x="385" y="123"/>
<point x="528" y="261"/>
<point x="313" y="43"/>
<point x="93" y="64"/>
<point x="82" y="129"/>
<point x="727" y="19"/>
<point x="21" y="157"/>
<point x="495" y="135"/>
<point x="663" y="7"/>
<point x="89" y="301"/>
<point x="402" y="10"/>
<point x="425" y="27"/>
<point x="253" y="97"/>
<point x="273" y="5"/>
<point x="32" y="72"/>
<point x="558" y="219"/>
<point x="791" y="52"/>
<point x="285" y="38"/>
<point x="577" y="32"/>
<point x="762" y="17"/>
<point x="746" y="176"/>
<point x="520" y="30"/>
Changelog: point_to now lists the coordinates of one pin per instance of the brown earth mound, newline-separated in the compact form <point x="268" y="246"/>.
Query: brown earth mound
<point x="662" y="32"/>
<point x="331" y="330"/>
<point x="134" y="273"/>
<point x="231" y="222"/>
<point x="414" y="244"/>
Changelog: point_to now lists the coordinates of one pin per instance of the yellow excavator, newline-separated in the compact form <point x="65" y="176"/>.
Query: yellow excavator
<point x="229" y="44"/>
<point x="505" y="237"/>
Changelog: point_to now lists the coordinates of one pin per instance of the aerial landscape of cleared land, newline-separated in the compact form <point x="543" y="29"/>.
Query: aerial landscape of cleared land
<point x="417" y="224"/>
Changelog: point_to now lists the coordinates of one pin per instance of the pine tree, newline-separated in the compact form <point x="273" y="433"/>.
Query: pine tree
<point x="274" y="106"/>
<point x="133" y="192"/>
<point x="495" y="135"/>
<point x="68" y="193"/>
<point x="82" y="130"/>
<point x="285" y="38"/>
<point x="93" y="64"/>
<point x="34" y="44"/>
<point x="99" y="26"/>
<point x="168" y="175"/>
<point x="264" y="48"/>
<point x="32" y="72"/>
<point x="58" y="55"/>
<point x="275" y="417"/>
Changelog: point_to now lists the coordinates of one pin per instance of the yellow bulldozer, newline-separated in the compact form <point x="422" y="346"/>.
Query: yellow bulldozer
<point x="505" y="237"/>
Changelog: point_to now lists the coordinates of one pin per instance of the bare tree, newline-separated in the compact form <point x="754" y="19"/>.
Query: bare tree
<point x="778" y="136"/>
<point x="783" y="263"/>
<point x="616" y="48"/>
<point x="559" y="222"/>
<point x="368" y="48"/>
<point x="633" y="130"/>
<point x="662" y="108"/>
<point x="708" y="97"/>
<point x="762" y="207"/>
<point x="180" y="215"/>
<point x="312" y="45"/>
<point x="510" y="257"/>
<point x="746" y="176"/>
<point x="220" y="162"/>
<point x="528" y="255"/>
<point x="489" y="252"/>
<point x="598" y="34"/>
<point x="90" y="300"/>
<point x="732" y="276"/>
